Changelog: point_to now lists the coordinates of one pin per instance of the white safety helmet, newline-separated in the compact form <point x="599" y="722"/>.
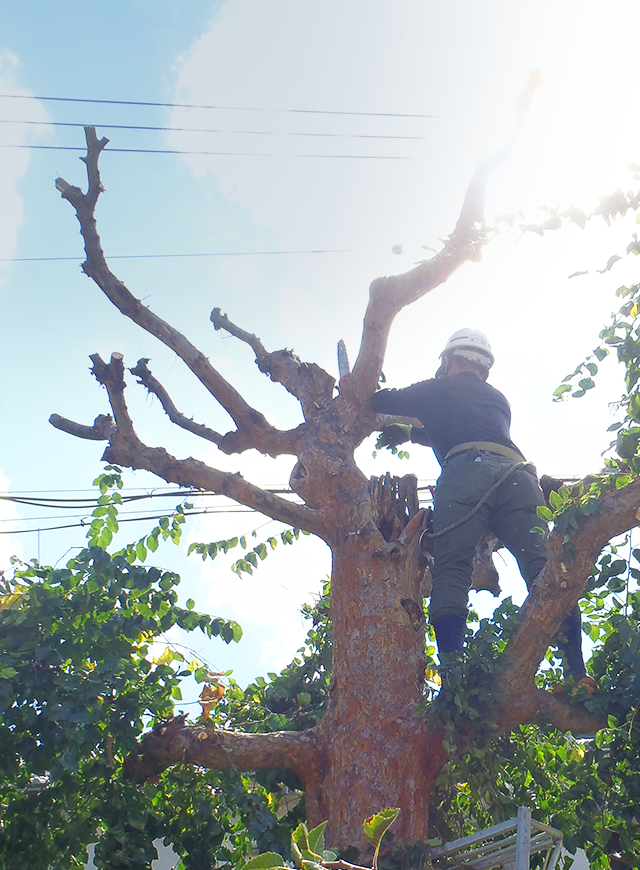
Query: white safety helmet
<point x="472" y="345"/>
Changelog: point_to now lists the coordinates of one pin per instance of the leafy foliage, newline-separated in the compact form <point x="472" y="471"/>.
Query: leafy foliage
<point x="308" y="850"/>
<point x="588" y="787"/>
<point x="79" y="684"/>
<point x="251" y="558"/>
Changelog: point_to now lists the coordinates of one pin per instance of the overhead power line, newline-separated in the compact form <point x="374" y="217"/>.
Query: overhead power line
<point x="88" y="521"/>
<point x="66" y="503"/>
<point x="161" y="256"/>
<point x="125" y="517"/>
<point x="201" y="130"/>
<point x="212" y="153"/>
<point x="196" y="106"/>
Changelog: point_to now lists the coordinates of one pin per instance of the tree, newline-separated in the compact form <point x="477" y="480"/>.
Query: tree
<point x="377" y="744"/>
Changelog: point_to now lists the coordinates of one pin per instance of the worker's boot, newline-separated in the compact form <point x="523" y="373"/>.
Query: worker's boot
<point x="449" y="631"/>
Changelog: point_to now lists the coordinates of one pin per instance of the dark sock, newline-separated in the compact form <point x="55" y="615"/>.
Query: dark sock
<point x="449" y="634"/>
<point x="570" y="644"/>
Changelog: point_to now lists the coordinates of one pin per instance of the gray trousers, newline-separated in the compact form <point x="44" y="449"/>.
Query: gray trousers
<point x="509" y="512"/>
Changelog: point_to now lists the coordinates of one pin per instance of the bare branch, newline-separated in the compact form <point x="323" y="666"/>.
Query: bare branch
<point x="308" y="382"/>
<point x="174" y="742"/>
<point x="257" y="432"/>
<point x="221" y="321"/>
<point x="387" y="296"/>
<point x="95" y="147"/>
<point x="558" y="588"/>
<point x="141" y="371"/>
<point x="125" y="448"/>
<point x="101" y="430"/>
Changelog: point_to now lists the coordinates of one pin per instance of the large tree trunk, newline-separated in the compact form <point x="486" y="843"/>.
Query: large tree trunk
<point x="377" y="751"/>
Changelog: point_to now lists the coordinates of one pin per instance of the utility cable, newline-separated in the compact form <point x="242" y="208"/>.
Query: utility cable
<point x="201" y="130"/>
<point x="161" y="256"/>
<point x="196" y="106"/>
<point x="212" y="153"/>
<point x="41" y="501"/>
<point x="84" y="525"/>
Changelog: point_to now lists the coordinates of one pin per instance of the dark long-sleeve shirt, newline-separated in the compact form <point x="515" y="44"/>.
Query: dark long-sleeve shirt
<point x="454" y="410"/>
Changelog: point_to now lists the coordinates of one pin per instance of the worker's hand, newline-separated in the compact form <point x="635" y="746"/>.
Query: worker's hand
<point x="419" y="436"/>
<point x="391" y="436"/>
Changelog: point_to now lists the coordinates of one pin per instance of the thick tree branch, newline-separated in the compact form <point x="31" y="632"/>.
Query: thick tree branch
<point x="256" y="431"/>
<point x="558" y="588"/>
<point x="387" y="296"/>
<point x="547" y="708"/>
<point x="125" y="448"/>
<point x="142" y="372"/>
<point x="174" y="742"/>
<point x="308" y="382"/>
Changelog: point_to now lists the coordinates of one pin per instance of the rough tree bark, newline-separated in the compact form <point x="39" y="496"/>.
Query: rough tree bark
<point x="371" y="750"/>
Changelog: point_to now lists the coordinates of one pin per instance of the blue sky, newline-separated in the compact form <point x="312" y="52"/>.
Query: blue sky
<point x="463" y="63"/>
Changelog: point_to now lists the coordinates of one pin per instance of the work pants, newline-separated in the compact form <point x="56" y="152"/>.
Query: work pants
<point x="510" y="513"/>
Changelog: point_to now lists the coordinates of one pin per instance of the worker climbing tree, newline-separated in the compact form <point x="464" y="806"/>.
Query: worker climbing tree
<point x="486" y="486"/>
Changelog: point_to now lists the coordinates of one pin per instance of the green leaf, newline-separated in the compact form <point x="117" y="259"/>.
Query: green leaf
<point x="261" y="550"/>
<point x="555" y="500"/>
<point x="610" y="262"/>
<point x="315" y="837"/>
<point x="299" y="844"/>
<point x="190" y="604"/>
<point x="561" y="390"/>
<point x="236" y="628"/>
<point x="265" y="861"/>
<point x="544" y="513"/>
<point x="304" y="699"/>
<point x="141" y="551"/>
<point x="376" y="826"/>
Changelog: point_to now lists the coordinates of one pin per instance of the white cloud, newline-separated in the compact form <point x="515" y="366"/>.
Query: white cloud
<point x="14" y="160"/>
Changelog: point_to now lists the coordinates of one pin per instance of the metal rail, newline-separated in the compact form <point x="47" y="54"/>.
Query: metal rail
<point x="508" y="845"/>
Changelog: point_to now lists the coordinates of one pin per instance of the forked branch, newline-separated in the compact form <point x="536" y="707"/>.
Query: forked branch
<point x="256" y="431"/>
<point x="125" y="448"/>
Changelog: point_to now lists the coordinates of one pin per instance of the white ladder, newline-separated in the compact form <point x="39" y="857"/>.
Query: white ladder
<point x="508" y="845"/>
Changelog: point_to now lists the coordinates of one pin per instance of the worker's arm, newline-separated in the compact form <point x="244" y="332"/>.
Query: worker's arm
<point x="400" y="403"/>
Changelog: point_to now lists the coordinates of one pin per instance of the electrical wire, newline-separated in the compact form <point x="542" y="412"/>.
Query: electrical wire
<point x="161" y="256"/>
<point x="42" y="501"/>
<point x="83" y="525"/>
<point x="200" y="130"/>
<point x="212" y="153"/>
<point x="196" y="106"/>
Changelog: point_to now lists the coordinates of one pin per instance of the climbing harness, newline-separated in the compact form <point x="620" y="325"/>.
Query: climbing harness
<point x="429" y="536"/>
